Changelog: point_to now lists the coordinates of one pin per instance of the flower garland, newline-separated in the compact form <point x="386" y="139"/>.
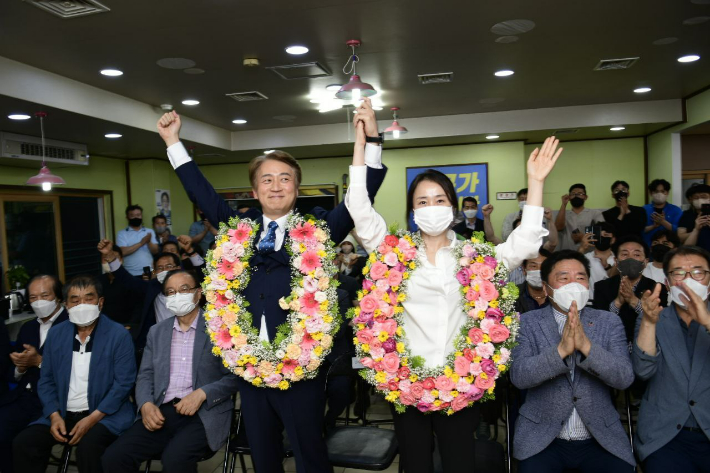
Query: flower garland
<point x="481" y="351"/>
<point x="303" y="341"/>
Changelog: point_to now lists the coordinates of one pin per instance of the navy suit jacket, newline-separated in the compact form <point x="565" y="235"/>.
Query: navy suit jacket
<point x="112" y="373"/>
<point x="29" y="334"/>
<point x="149" y="290"/>
<point x="271" y="273"/>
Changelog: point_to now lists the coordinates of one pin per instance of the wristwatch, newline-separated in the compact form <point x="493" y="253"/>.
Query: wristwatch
<point x="380" y="138"/>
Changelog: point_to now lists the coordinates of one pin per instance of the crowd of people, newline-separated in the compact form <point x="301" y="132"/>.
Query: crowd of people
<point x="120" y="366"/>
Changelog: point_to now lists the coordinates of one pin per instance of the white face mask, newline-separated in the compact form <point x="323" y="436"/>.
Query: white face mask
<point x="105" y="268"/>
<point x="698" y="203"/>
<point x="346" y="249"/>
<point x="433" y="219"/>
<point x="43" y="308"/>
<point x="659" y="198"/>
<point x="533" y="278"/>
<point x="84" y="314"/>
<point x="574" y="291"/>
<point x="470" y="213"/>
<point x="521" y="204"/>
<point x="161" y="276"/>
<point x="180" y="304"/>
<point x="697" y="287"/>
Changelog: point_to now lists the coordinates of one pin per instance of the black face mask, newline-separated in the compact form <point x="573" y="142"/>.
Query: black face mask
<point x="135" y="222"/>
<point x="577" y="202"/>
<point x="603" y="244"/>
<point x="659" y="251"/>
<point x="631" y="268"/>
<point x="620" y="195"/>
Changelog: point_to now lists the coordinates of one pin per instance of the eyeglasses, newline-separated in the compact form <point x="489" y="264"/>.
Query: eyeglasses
<point x="697" y="274"/>
<point x="182" y="290"/>
<point x="167" y="267"/>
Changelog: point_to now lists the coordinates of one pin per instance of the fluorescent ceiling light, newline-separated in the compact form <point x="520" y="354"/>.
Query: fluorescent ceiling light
<point x="689" y="58"/>
<point x="504" y="73"/>
<point x="297" y="50"/>
<point x="269" y="151"/>
<point x="492" y="137"/>
<point x="18" y="116"/>
<point x="190" y="102"/>
<point x="642" y="90"/>
<point x="617" y="128"/>
<point x="111" y="72"/>
<point x="113" y="135"/>
<point x="239" y="121"/>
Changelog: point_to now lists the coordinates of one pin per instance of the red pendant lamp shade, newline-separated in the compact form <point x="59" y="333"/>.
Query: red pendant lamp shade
<point x="355" y="88"/>
<point x="45" y="178"/>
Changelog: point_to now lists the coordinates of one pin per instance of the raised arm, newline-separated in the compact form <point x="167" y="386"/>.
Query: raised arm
<point x="525" y="241"/>
<point x="488" y="226"/>
<point x="198" y="188"/>
<point x="370" y="226"/>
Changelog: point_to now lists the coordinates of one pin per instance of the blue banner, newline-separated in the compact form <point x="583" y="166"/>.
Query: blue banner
<point x="470" y="180"/>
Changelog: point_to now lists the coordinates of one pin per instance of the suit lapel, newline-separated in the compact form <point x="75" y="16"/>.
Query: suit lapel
<point x="163" y="358"/>
<point x="96" y="363"/>
<point x="674" y="335"/>
<point x="700" y="355"/>
<point x="199" y="347"/>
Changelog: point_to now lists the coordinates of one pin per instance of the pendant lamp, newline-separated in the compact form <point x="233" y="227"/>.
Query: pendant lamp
<point x="45" y="178"/>
<point x="355" y="89"/>
<point x="395" y="129"/>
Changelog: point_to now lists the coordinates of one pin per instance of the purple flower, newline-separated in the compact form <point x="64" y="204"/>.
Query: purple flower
<point x="488" y="367"/>
<point x="424" y="407"/>
<point x="363" y="318"/>
<point x="464" y="276"/>
<point x="490" y="261"/>
<point x="494" y="313"/>
<point x="474" y="394"/>
<point x="389" y="345"/>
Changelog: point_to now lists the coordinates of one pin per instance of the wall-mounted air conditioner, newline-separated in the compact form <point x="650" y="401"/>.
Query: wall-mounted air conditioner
<point x="26" y="151"/>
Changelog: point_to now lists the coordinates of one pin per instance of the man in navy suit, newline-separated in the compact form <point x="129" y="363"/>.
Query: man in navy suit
<point x="275" y="178"/>
<point x="88" y="371"/>
<point x="183" y="392"/>
<point x="21" y="406"/>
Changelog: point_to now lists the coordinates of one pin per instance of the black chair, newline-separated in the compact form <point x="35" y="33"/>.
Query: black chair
<point x="64" y="460"/>
<point x="149" y="462"/>
<point x="361" y="447"/>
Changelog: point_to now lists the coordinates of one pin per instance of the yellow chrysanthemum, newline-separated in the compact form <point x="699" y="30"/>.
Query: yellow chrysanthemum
<point x="399" y="331"/>
<point x="392" y="396"/>
<point x="380" y="377"/>
<point x="486" y="338"/>
<point x="437" y="403"/>
<point x="234" y="330"/>
<point x="383" y="336"/>
<point x="435" y="392"/>
<point x="318" y="350"/>
<point x="372" y="258"/>
<point x="327" y="318"/>
<point x="256" y="381"/>
<point x="476" y="359"/>
<point x="217" y="351"/>
<point x="400" y="347"/>
<point x="454" y="394"/>
<point x="365" y="347"/>
<point x="448" y="371"/>
<point x="493" y="304"/>
<point x="283" y="385"/>
<point x="298" y="371"/>
<point x="496" y="358"/>
<point x="507" y="320"/>
<point x="502" y="368"/>
<point x="413" y="378"/>
<point x="317" y="336"/>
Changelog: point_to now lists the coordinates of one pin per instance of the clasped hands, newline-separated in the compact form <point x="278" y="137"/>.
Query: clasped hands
<point x="573" y="336"/>
<point x="26" y="359"/>
<point x="626" y="294"/>
<point x="153" y="419"/>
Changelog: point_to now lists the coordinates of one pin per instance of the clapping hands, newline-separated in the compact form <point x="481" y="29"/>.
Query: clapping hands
<point x="573" y="336"/>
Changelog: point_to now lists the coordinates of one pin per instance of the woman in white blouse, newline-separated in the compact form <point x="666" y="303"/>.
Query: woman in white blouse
<point x="432" y="311"/>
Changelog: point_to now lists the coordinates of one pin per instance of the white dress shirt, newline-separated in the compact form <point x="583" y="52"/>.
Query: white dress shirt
<point x="177" y="154"/>
<point x="78" y="397"/>
<point x="652" y="272"/>
<point x="432" y="311"/>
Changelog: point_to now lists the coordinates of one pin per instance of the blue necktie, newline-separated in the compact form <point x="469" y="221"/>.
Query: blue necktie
<point x="268" y="243"/>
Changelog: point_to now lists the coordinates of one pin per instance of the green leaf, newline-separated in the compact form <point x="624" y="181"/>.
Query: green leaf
<point x="480" y="236"/>
<point x="400" y="408"/>
<point x="416" y="361"/>
<point x="393" y="228"/>
<point x="282" y="333"/>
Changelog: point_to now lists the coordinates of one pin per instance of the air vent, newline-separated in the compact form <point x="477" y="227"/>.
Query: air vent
<point x="307" y="70"/>
<point x="247" y="96"/>
<point x="440" y="78"/>
<point x="22" y="150"/>
<point x="30" y="149"/>
<point x="615" y="64"/>
<point x="565" y="131"/>
<point x="67" y="9"/>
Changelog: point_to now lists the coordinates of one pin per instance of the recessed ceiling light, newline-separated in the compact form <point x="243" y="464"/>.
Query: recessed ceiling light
<point x="190" y="102"/>
<point x="689" y="58"/>
<point x="239" y="121"/>
<point x="18" y="116"/>
<point x="333" y="87"/>
<point x="113" y="135"/>
<point x="269" y="151"/>
<point x="297" y="50"/>
<point x="504" y="73"/>
<point x="111" y="72"/>
<point x="492" y="137"/>
<point x="617" y="128"/>
<point x="642" y="90"/>
<point x="377" y="108"/>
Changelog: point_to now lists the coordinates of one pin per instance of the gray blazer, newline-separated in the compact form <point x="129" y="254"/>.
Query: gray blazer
<point x="675" y="388"/>
<point x="208" y="373"/>
<point x="552" y="394"/>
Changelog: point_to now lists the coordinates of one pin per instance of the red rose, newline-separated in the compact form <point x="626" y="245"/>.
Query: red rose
<point x="403" y="372"/>
<point x="393" y="385"/>
<point x="391" y="240"/>
<point x="429" y="384"/>
<point x="468" y="354"/>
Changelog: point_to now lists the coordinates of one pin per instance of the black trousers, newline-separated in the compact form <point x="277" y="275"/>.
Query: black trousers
<point x="299" y="410"/>
<point x="687" y="452"/>
<point x="179" y="444"/>
<point x="586" y="455"/>
<point x="415" y="433"/>
<point x="15" y="416"/>
<point x="33" y="446"/>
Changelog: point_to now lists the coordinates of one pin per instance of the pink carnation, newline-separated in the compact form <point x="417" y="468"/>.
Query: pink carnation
<point x="310" y="284"/>
<point x="485" y="350"/>
<point x="215" y="323"/>
<point x="391" y="259"/>
<point x="487" y="324"/>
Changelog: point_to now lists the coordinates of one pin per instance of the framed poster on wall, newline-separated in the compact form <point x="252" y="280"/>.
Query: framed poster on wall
<point x="470" y="180"/>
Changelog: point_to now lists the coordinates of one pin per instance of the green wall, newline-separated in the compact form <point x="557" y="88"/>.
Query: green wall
<point x="100" y="174"/>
